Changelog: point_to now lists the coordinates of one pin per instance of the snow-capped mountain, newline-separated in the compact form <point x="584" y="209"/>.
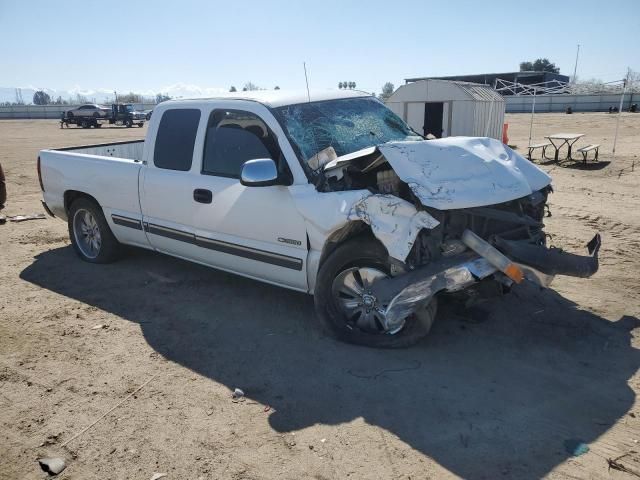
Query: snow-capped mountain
<point x="104" y="95"/>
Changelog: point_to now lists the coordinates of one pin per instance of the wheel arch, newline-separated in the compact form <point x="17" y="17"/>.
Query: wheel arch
<point x="71" y="196"/>
<point x="348" y="231"/>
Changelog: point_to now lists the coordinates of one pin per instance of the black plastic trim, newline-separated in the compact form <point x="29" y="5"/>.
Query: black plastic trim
<point x="218" y="245"/>
<point x="96" y="145"/>
<point x="250" y="253"/>
<point x="127" y="222"/>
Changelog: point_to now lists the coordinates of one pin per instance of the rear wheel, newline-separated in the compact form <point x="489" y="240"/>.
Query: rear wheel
<point x="348" y="310"/>
<point x="85" y="124"/>
<point x="90" y="234"/>
<point x="140" y="124"/>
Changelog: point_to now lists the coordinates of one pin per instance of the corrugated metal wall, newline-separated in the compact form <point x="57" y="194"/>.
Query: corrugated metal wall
<point x="578" y="103"/>
<point x="488" y="113"/>
<point x="47" y="111"/>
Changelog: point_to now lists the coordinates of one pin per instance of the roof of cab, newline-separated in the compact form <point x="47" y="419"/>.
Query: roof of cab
<point x="280" y="98"/>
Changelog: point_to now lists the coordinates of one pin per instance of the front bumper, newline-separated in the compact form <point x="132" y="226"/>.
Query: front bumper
<point x="515" y="262"/>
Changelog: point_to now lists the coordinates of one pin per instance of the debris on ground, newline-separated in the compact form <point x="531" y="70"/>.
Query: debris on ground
<point x="617" y="465"/>
<point x="157" y="476"/>
<point x="575" y="447"/>
<point x="98" y="327"/>
<point x="237" y="394"/>
<point x="24" y="218"/>
<point x="52" y="465"/>
<point x="3" y="219"/>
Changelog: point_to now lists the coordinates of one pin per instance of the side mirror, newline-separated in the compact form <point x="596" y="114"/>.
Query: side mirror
<point x="259" y="173"/>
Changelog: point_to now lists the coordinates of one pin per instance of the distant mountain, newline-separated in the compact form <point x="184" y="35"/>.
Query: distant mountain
<point x="103" y="95"/>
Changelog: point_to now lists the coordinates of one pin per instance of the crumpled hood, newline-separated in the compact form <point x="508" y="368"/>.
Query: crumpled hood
<point x="463" y="172"/>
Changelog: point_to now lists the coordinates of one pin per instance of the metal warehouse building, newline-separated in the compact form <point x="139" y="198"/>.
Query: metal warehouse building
<point x="445" y="108"/>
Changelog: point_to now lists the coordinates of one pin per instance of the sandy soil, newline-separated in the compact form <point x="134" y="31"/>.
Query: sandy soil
<point x="506" y="397"/>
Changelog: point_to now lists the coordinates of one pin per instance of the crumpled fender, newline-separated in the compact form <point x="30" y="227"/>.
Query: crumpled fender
<point x="394" y="221"/>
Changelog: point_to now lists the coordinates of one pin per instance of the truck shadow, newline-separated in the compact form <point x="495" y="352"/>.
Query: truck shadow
<point x="487" y="400"/>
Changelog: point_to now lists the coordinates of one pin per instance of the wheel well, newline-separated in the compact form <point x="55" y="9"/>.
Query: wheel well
<point x="347" y="232"/>
<point x="71" y="196"/>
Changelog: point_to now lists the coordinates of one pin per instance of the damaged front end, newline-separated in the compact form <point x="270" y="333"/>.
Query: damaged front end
<point x="453" y="214"/>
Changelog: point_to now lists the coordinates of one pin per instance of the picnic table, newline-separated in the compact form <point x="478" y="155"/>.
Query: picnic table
<point x="559" y="140"/>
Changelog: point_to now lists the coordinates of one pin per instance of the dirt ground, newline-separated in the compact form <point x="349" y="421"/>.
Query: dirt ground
<point x="507" y="396"/>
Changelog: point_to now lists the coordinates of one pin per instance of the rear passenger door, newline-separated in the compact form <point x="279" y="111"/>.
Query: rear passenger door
<point x="166" y="184"/>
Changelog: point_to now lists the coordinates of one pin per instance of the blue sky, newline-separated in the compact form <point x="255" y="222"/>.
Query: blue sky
<point x="147" y="46"/>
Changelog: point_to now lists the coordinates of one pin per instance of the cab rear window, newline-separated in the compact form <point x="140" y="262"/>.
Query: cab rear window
<point x="176" y="138"/>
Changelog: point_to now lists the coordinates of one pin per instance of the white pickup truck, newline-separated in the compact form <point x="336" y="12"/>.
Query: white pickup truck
<point x="331" y="194"/>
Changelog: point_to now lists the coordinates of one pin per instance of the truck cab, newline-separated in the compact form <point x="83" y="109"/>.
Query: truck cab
<point x="126" y="114"/>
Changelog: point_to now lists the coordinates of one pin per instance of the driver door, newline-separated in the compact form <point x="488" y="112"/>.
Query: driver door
<point x="254" y="231"/>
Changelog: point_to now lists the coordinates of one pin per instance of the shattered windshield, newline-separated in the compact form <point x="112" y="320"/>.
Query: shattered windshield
<point x="347" y="125"/>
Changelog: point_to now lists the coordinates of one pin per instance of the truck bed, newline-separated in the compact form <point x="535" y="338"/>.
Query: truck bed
<point x="108" y="172"/>
<point x="131" y="149"/>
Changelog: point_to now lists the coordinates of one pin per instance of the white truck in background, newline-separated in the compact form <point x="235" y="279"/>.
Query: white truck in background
<point x="333" y="195"/>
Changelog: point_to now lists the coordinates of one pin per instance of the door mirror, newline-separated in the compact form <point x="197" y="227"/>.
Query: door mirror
<point x="259" y="173"/>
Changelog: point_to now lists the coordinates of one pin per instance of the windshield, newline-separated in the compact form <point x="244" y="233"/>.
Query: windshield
<point x="347" y="125"/>
<point x="129" y="108"/>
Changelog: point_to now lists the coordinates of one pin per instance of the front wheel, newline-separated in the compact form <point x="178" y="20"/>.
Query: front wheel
<point x="129" y="123"/>
<point x="348" y="310"/>
<point x="90" y="234"/>
<point x="140" y="124"/>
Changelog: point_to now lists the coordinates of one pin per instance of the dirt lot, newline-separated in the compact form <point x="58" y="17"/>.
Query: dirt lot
<point x="506" y="397"/>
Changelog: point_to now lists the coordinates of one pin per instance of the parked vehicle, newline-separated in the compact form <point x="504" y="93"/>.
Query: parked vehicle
<point x="90" y="110"/>
<point x="126" y="114"/>
<point x="119" y="114"/>
<point x="336" y="197"/>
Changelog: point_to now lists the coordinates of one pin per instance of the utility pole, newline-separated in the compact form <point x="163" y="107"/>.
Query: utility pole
<point x="575" y="67"/>
<point x="625" y="82"/>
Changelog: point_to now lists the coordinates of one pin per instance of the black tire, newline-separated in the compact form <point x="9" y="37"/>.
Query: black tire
<point x="109" y="247"/>
<point x="141" y="124"/>
<point x="129" y="123"/>
<point x="85" y="124"/>
<point x="97" y="125"/>
<point x="364" y="252"/>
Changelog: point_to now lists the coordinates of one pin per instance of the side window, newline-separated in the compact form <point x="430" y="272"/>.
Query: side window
<point x="233" y="137"/>
<point x="176" y="138"/>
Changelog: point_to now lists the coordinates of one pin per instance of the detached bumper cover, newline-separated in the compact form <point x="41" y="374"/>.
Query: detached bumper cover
<point x="405" y="293"/>
<point x="553" y="261"/>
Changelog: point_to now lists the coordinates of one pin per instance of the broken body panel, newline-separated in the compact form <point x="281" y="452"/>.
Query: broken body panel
<point x="444" y="191"/>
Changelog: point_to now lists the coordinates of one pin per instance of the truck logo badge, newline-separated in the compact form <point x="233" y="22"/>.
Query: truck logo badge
<point x="289" y="241"/>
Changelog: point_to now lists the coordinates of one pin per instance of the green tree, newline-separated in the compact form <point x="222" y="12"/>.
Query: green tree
<point x="233" y="89"/>
<point x="277" y="87"/>
<point x="41" y="98"/>
<point x="539" y="65"/>
<point x="387" y="91"/>
<point x="161" y="97"/>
